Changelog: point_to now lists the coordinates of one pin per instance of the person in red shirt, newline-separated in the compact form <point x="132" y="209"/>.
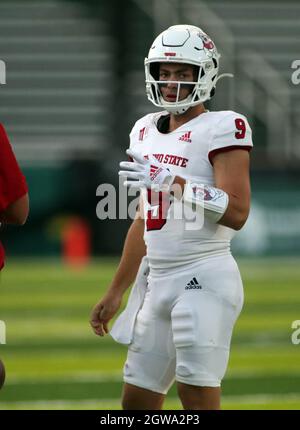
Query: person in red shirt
<point x="14" y="201"/>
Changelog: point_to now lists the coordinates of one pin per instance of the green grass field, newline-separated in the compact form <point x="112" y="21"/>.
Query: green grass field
<point x="53" y="360"/>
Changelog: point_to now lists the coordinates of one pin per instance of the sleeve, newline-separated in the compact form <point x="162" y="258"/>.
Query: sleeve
<point x="140" y="130"/>
<point x="232" y="132"/>
<point x="12" y="181"/>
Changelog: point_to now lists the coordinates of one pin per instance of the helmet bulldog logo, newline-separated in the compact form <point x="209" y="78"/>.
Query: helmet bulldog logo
<point x="207" y="42"/>
<point x="208" y="45"/>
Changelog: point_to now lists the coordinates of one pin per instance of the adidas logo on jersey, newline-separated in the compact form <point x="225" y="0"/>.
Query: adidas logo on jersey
<point x="193" y="285"/>
<point x="186" y="137"/>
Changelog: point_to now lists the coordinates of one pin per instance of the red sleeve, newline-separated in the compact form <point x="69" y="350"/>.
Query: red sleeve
<point x="12" y="181"/>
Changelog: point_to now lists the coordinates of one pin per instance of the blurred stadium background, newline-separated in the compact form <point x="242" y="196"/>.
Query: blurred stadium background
<point x="75" y="86"/>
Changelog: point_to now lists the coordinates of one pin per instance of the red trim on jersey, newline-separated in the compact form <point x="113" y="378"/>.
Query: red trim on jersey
<point x="212" y="153"/>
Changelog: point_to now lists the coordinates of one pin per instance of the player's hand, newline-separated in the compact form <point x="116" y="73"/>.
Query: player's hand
<point x="103" y="312"/>
<point x="143" y="172"/>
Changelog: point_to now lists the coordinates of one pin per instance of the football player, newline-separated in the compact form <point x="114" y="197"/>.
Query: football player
<point x="188" y="291"/>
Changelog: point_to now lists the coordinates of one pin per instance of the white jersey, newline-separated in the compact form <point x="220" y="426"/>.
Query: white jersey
<point x="187" y="152"/>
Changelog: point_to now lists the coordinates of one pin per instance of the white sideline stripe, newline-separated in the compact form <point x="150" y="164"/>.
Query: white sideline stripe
<point x="78" y="377"/>
<point x="264" y="373"/>
<point x="237" y="399"/>
<point x="118" y="377"/>
<point x="262" y="398"/>
<point x="60" y="403"/>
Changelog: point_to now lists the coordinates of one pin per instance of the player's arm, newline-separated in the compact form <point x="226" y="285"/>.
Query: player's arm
<point x="133" y="252"/>
<point x="17" y="212"/>
<point x="231" y="172"/>
<point x="228" y="201"/>
<point x="14" y="201"/>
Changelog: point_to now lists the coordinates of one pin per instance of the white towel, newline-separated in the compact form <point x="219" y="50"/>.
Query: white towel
<point x="122" y="329"/>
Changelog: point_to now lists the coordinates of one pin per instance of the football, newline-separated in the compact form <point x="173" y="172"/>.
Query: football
<point x="2" y="374"/>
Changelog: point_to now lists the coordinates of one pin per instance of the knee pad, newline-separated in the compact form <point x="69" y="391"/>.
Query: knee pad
<point x="150" y="371"/>
<point x="201" y="366"/>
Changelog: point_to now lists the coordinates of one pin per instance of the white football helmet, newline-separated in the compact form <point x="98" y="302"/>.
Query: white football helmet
<point x="182" y="44"/>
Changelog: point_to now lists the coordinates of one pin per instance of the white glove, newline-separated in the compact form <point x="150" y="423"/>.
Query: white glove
<point x="148" y="173"/>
